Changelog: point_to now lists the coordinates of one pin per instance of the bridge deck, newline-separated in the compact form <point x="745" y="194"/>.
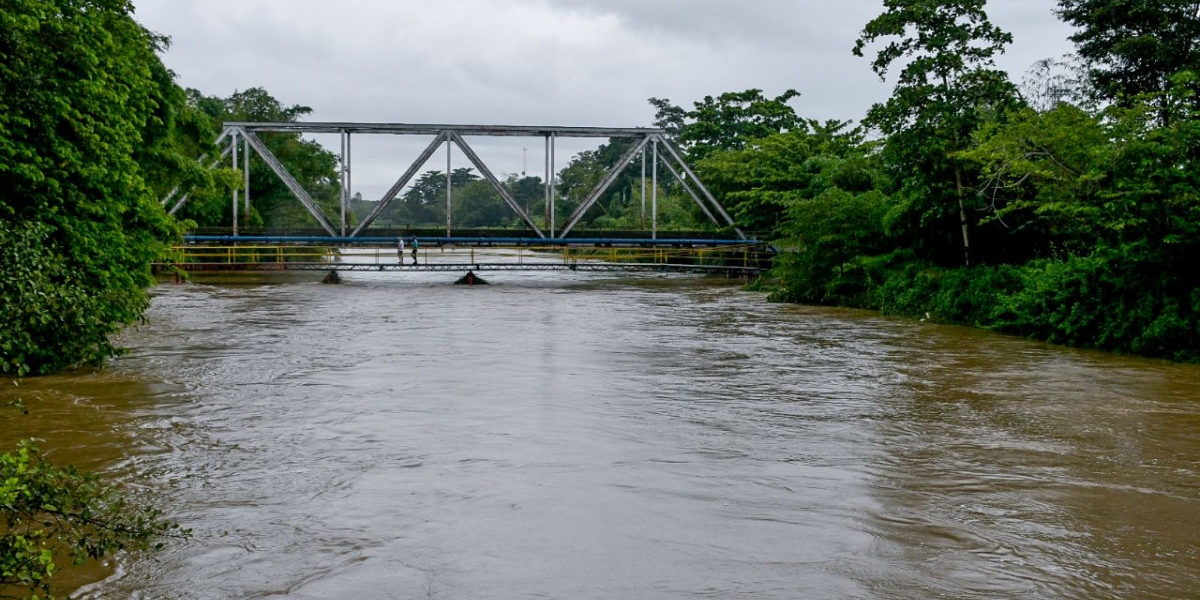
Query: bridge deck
<point x="732" y="260"/>
<point x="590" y="266"/>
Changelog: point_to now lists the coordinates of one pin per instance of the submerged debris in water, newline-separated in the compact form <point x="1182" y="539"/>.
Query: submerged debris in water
<point x="471" y="279"/>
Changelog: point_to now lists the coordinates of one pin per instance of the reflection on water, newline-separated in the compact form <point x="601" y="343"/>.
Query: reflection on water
<point x="566" y="435"/>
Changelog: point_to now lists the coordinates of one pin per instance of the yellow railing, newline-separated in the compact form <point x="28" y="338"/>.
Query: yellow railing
<point x="252" y="254"/>
<point x="744" y="256"/>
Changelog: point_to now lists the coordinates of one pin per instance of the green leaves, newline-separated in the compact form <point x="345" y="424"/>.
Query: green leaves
<point x="48" y="512"/>
<point x="84" y="102"/>
<point x="1136" y="47"/>
<point x="727" y="122"/>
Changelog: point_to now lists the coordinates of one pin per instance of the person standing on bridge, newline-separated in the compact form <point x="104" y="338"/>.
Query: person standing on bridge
<point x="415" y="245"/>
<point x="400" y="248"/>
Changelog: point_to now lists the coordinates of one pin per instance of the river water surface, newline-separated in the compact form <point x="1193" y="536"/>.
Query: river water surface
<point x="577" y="436"/>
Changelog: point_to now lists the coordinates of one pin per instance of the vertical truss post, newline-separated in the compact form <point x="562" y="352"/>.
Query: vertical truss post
<point x="654" y="203"/>
<point x="546" y="187"/>
<point x="553" y="182"/>
<point x="449" y="185"/>
<point x="246" y="189"/>
<point x="345" y="184"/>
<point x="233" y="143"/>
<point x="643" y="189"/>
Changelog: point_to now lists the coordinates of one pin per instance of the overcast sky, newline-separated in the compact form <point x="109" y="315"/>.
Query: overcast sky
<point x="537" y="62"/>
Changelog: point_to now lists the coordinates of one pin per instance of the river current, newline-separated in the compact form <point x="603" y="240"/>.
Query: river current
<point x="577" y="436"/>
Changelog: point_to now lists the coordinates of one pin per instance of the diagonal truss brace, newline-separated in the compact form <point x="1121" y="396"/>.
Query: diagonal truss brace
<point x="707" y="194"/>
<point x="216" y="161"/>
<point x="400" y="183"/>
<point x="608" y="180"/>
<point x="183" y="200"/>
<point x="487" y="174"/>
<point x="687" y="188"/>
<point x="289" y="181"/>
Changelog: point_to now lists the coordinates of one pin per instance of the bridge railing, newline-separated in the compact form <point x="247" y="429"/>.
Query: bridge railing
<point x="748" y="256"/>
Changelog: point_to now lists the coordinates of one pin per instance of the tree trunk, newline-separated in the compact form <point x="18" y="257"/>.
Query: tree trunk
<point x="962" y="215"/>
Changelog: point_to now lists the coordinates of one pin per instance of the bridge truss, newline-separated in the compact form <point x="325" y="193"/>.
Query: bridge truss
<point x="651" y="146"/>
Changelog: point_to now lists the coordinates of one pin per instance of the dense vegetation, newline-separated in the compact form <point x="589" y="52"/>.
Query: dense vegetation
<point x="92" y="127"/>
<point x="1065" y="211"/>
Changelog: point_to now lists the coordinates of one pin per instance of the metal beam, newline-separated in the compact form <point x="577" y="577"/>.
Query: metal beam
<point x="289" y="181"/>
<point x="212" y="165"/>
<point x="246" y="191"/>
<point x="700" y="184"/>
<point x="400" y="183"/>
<point x="608" y="180"/>
<point x="175" y="190"/>
<point x="234" y="145"/>
<point x="654" y="200"/>
<point x="687" y="188"/>
<point x="487" y="174"/>
<point x="434" y="129"/>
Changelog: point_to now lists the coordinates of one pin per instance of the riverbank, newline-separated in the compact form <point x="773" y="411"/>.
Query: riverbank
<point x="1101" y="301"/>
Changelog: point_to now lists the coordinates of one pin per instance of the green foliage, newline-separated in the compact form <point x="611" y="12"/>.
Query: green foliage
<point x="831" y="236"/>
<point x="760" y="182"/>
<point x="1083" y="222"/>
<point x="83" y="98"/>
<point x="727" y="122"/>
<point x="54" y="318"/>
<point x="1135" y="47"/>
<point x="49" y="513"/>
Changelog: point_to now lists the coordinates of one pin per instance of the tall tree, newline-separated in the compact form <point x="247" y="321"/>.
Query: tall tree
<point x="946" y="88"/>
<point x="727" y="122"/>
<point x="1135" y="47"/>
<point x="83" y="99"/>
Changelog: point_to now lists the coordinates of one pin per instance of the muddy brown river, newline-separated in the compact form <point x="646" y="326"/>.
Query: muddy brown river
<point x="583" y="436"/>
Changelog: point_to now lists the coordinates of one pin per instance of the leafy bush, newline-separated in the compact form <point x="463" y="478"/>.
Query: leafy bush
<point x="47" y="513"/>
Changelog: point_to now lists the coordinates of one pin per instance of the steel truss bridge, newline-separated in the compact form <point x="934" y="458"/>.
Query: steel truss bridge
<point x="651" y="145"/>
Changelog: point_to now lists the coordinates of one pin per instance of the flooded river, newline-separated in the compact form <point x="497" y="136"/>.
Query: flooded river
<point x="579" y="436"/>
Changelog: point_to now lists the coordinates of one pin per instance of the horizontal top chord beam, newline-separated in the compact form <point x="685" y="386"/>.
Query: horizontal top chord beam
<point x="433" y="129"/>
